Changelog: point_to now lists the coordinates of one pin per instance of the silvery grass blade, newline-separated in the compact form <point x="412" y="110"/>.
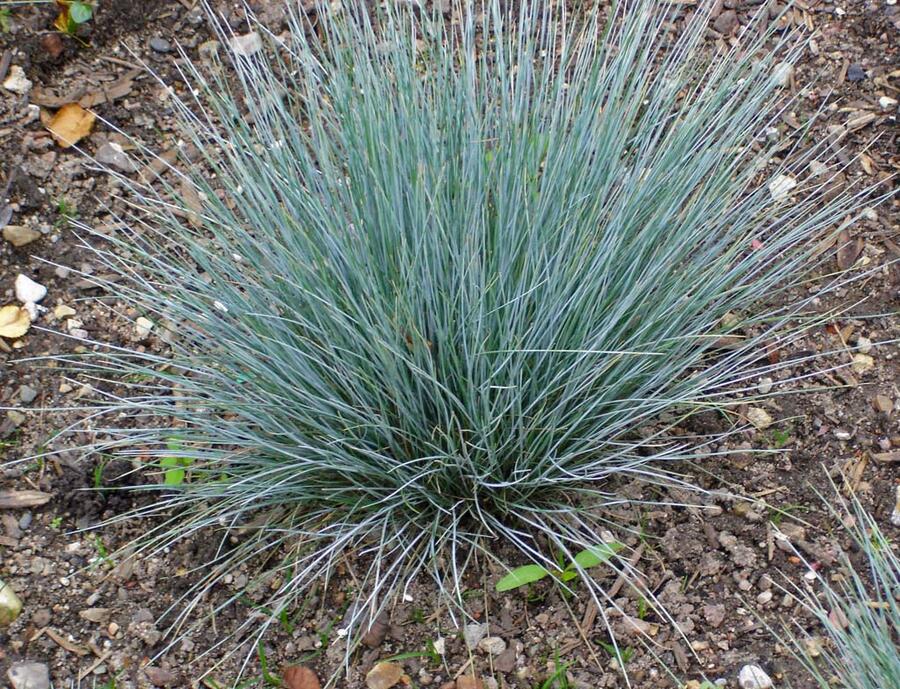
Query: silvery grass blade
<point x="426" y="285"/>
<point x="856" y="606"/>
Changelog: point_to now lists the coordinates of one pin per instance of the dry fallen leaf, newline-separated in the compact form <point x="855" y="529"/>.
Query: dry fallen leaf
<point x="70" y="124"/>
<point x="14" y="321"/>
<point x="17" y="499"/>
<point x="299" y="677"/>
<point x="848" y="250"/>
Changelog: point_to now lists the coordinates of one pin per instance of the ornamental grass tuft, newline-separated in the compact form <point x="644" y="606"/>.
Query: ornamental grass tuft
<point x="857" y="608"/>
<point x="429" y="285"/>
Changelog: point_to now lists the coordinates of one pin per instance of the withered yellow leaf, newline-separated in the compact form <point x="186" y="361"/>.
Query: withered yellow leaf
<point x="14" y="321"/>
<point x="70" y="124"/>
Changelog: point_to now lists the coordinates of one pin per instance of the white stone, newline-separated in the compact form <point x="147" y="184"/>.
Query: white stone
<point x="112" y="154"/>
<point x="28" y="291"/>
<point x="780" y="187"/>
<point x="782" y="73"/>
<point x="864" y="344"/>
<point x="246" y="45"/>
<point x="887" y="103"/>
<point x="17" y="82"/>
<point x="754" y="677"/>
<point x="765" y="385"/>
<point x="142" y="327"/>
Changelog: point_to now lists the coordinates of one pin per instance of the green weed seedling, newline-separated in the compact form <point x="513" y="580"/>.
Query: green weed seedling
<point x="780" y="438"/>
<point x="558" y="678"/>
<point x="268" y="677"/>
<point x="430" y="653"/>
<point x="173" y="464"/>
<point x="529" y="574"/>
<point x="626" y="654"/>
<point x="73" y="14"/>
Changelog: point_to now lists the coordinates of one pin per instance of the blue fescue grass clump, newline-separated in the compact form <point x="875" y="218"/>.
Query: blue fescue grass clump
<point x="440" y="274"/>
<point x="858" y="611"/>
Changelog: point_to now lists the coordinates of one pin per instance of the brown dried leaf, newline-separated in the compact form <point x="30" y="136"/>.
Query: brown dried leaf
<point x="70" y="124"/>
<point x="848" y="250"/>
<point x="14" y="321"/>
<point x="14" y="499"/>
<point x="120" y="88"/>
<point x="299" y="677"/>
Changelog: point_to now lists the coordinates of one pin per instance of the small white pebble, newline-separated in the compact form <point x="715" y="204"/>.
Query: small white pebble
<point x="780" y="187"/>
<point x="28" y="291"/>
<point x="142" y="327"/>
<point x="754" y="677"/>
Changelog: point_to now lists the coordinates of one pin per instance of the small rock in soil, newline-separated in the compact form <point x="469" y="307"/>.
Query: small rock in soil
<point x="473" y="634"/>
<point x="19" y="235"/>
<point x="765" y="385"/>
<point x="726" y="22"/>
<point x="384" y="676"/>
<point x="113" y="155"/>
<point x="780" y="187"/>
<point x="862" y="362"/>
<point x="492" y="645"/>
<point x="246" y="45"/>
<point x="469" y="682"/>
<point x="754" y="677"/>
<point x="160" y="677"/>
<point x="506" y="661"/>
<point x="17" y="417"/>
<point x="98" y="615"/>
<point x="27" y="394"/>
<point x="28" y="675"/>
<point x="783" y="73"/>
<point x="17" y="82"/>
<point x="759" y="418"/>
<point x="714" y="614"/>
<point x="142" y="328"/>
<point x="887" y="103"/>
<point x="10" y="605"/>
<point x="28" y="291"/>
<point x="884" y="404"/>
<point x="856" y="72"/>
<point x="160" y="45"/>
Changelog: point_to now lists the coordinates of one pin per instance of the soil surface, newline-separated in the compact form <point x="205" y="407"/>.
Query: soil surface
<point x="722" y="568"/>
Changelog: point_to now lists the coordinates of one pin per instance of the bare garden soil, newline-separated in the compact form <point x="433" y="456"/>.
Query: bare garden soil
<point x="720" y="567"/>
